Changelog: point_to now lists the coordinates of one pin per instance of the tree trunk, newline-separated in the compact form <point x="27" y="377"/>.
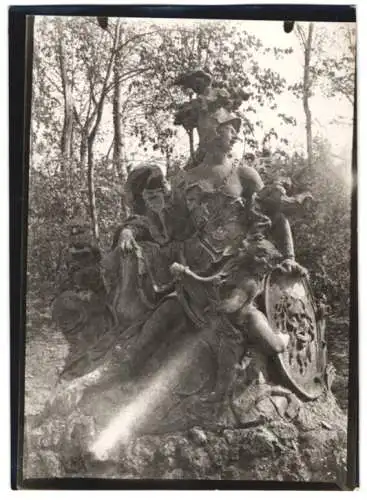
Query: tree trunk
<point x="191" y="142"/>
<point x="67" y="129"/>
<point x="83" y="148"/>
<point x="91" y="139"/>
<point x="306" y="93"/>
<point x="116" y="113"/>
<point x="118" y="159"/>
<point x="92" y="191"/>
<point x="168" y="162"/>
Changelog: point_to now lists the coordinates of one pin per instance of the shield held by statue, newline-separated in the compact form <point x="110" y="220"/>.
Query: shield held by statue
<point x="291" y="309"/>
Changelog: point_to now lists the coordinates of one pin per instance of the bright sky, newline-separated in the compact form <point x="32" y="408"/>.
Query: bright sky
<point x="324" y="110"/>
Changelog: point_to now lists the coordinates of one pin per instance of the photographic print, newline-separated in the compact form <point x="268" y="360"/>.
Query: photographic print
<point x="189" y="250"/>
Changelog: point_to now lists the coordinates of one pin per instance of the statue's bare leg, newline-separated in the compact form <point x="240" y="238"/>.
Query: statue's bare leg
<point x="164" y="325"/>
<point x="261" y="332"/>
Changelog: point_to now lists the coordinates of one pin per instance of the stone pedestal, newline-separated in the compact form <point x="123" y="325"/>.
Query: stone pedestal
<point x="262" y="433"/>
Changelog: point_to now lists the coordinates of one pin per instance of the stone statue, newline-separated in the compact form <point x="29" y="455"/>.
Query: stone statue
<point x="202" y="252"/>
<point x="213" y="321"/>
<point x="136" y="270"/>
<point x="81" y="308"/>
<point x="200" y="113"/>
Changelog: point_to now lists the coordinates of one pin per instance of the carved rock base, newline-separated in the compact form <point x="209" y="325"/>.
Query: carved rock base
<point x="273" y="437"/>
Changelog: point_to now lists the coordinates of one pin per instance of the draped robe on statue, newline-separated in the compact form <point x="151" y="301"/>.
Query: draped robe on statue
<point x="185" y="331"/>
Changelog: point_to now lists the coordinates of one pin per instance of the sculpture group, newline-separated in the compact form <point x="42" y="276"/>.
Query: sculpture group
<point x="201" y="283"/>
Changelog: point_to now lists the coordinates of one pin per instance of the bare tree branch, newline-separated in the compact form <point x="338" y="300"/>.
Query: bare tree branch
<point x="76" y="117"/>
<point x="301" y="35"/>
<point x="126" y="76"/>
<point x="57" y="87"/>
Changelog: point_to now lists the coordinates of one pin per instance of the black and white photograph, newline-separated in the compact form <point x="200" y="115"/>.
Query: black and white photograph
<point x="189" y="250"/>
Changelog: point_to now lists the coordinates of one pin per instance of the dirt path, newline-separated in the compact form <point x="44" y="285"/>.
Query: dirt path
<point x="46" y="350"/>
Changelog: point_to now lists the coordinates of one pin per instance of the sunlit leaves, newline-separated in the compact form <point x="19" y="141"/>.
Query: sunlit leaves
<point x="289" y="120"/>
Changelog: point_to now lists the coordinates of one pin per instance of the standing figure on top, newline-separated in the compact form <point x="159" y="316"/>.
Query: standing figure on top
<point x="229" y="230"/>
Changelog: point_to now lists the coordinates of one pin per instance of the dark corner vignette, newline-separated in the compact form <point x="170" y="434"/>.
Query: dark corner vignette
<point x="20" y="89"/>
<point x="353" y="386"/>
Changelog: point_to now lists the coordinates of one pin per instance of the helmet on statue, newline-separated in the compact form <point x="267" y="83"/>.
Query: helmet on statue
<point x="222" y="116"/>
<point x="210" y="123"/>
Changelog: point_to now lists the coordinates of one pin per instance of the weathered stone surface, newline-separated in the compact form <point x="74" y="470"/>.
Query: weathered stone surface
<point x="198" y="435"/>
<point x="298" y="449"/>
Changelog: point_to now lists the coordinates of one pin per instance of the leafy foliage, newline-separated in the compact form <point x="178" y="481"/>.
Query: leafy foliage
<point x="322" y="232"/>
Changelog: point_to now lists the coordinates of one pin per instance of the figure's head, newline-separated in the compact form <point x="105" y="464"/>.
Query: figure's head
<point x="146" y="189"/>
<point x="80" y="230"/>
<point x="156" y="191"/>
<point x="227" y="136"/>
<point x="220" y="130"/>
<point x="78" y="225"/>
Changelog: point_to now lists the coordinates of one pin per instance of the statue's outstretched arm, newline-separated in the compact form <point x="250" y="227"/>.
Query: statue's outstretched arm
<point x="283" y="235"/>
<point x="284" y="239"/>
